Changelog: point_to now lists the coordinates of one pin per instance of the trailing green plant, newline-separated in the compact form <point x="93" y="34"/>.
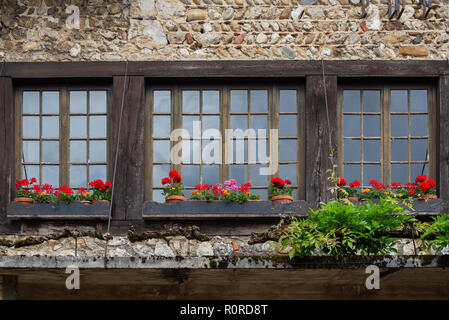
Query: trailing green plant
<point x="342" y="229"/>
<point x="436" y="236"/>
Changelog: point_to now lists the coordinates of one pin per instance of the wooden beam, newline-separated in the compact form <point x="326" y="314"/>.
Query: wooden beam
<point x="130" y="174"/>
<point x="9" y="287"/>
<point x="443" y="91"/>
<point x="321" y="136"/>
<point x="279" y="68"/>
<point x="6" y="143"/>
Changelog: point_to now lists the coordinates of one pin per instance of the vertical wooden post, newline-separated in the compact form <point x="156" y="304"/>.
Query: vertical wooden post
<point x="443" y="92"/>
<point x="318" y="148"/>
<point x="9" y="287"/>
<point x="6" y="143"/>
<point x="130" y="176"/>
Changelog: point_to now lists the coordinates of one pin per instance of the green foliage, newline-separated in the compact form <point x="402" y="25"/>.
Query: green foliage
<point x="345" y="229"/>
<point x="439" y="230"/>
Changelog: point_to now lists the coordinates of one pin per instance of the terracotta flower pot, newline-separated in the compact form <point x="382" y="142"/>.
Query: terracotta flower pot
<point x="23" y="200"/>
<point x="104" y="201"/>
<point x="86" y="202"/>
<point x="174" y="199"/>
<point x="282" y="199"/>
<point x="426" y="197"/>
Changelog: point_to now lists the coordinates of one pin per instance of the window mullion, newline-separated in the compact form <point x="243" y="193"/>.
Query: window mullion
<point x="64" y="138"/>
<point x="386" y="136"/>
<point x="226" y="120"/>
<point x="176" y="121"/>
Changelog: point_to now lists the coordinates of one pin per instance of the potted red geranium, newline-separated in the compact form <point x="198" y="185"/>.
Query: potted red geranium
<point x="23" y="194"/>
<point x="425" y="189"/>
<point x="280" y="192"/>
<point x="101" y="191"/>
<point x="173" y="190"/>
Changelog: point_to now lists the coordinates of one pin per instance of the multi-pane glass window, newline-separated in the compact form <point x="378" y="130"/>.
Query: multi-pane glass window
<point x="385" y="134"/>
<point x="225" y="134"/>
<point x="63" y="135"/>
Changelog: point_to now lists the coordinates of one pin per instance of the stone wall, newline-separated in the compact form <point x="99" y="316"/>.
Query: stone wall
<point x="37" y="30"/>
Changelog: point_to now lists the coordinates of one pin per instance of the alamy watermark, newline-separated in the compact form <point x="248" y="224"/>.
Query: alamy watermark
<point x="373" y="280"/>
<point x="73" y="280"/>
<point x="73" y="20"/>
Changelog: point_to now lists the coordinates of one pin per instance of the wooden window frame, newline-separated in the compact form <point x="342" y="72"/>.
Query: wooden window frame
<point x="225" y="87"/>
<point x="64" y="125"/>
<point x="385" y="86"/>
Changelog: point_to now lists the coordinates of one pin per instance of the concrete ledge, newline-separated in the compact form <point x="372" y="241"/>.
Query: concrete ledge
<point x="236" y="262"/>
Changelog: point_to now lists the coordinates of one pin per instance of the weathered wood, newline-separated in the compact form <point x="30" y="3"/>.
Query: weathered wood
<point x="6" y="143"/>
<point x="9" y="287"/>
<point x="443" y="91"/>
<point x="130" y="175"/>
<point x="225" y="68"/>
<point x="58" y="211"/>
<point x="320" y="141"/>
<point x="217" y="210"/>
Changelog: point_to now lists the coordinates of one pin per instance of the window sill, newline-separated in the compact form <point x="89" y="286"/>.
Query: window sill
<point x="217" y="210"/>
<point x="58" y="211"/>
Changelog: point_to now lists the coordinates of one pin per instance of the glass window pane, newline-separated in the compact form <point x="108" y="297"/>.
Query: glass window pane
<point x="97" y="172"/>
<point x="239" y="172"/>
<point x="399" y="173"/>
<point x="161" y="126"/>
<point x="399" y="125"/>
<point x="288" y="126"/>
<point x="50" y="102"/>
<point x="256" y="179"/>
<point x="240" y="150"/>
<point x="97" y="102"/>
<point x="399" y="150"/>
<point x="161" y="150"/>
<point x="78" y="151"/>
<point x="371" y="101"/>
<point x="193" y="126"/>
<point x="371" y="150"/>
<point x="211" y="174"/>
<point x="352" y="172"/>
<point x="211" y="101"/>
<point x="97" y="126"/>
<point x="288" y="102"/>
<point x="50" y="127"/>
<point x="418" y="169"/>
<point x="399" y="101"/>
<point x="78" y="102"/>
<point x="351" y="101"/>
<point x="211" y="122"/>
<point x="239" y="101"/>
<point x="31" y="102"/>
<point x="78" y="127"/>
<point x="190" y="101"/>
<point x="259" y="122"/>
<point x="239" y="122"/>
<point x="371" y="172"/>
<point x="191" y="151"/>
<point x="419" y="150"/>
<point x="371" y="126"/>
<point x="287" y="150"/>
<point x="97" y="151"/>
<point x="418" y="100"/>
<point x="190" y="175"/>
<point x="31" y="151"/>
<point x="351" y="126"/>
<point x="418" y="125"/>
<point x="259" y="100"/>
<point x="352" y="150"/>
<point x="160" y="171"/>
<point x="211" y="151"/>
<point x="78" y="176"/>
<point x="162" y="101"/>
<point x="50" y="175"/>
<point x="30" y="127"/>
<point x="29" y="171"/>
<point x="288" y="171"/>
<point x="158" y="196"/>
<point x="50" y="151"/>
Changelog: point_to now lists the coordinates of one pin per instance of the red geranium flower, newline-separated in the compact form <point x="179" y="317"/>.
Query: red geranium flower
<point x="165" y="180"/>
<point x="174" y="175"/>
<point x="396" y="185"/>
<point x="341" y="182"/>
<point x="354" y="184"/>
<point x="286" y="181"/>
<point x="277" y="182"/>
<point x="420" y="179"/>
<point x="431" y="183"/>
<point x="424" y="186"/>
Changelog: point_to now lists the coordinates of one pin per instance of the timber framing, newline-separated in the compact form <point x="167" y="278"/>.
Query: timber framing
<point x="129" y="205"/>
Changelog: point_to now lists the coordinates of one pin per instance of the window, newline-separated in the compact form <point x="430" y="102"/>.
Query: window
<point x="226" y="134"/>
<point x="386" y="132"/>
<point x="62" y="134"/>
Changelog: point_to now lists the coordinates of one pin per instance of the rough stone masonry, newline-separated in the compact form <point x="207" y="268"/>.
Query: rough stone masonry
<point x="37" y="30"/>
